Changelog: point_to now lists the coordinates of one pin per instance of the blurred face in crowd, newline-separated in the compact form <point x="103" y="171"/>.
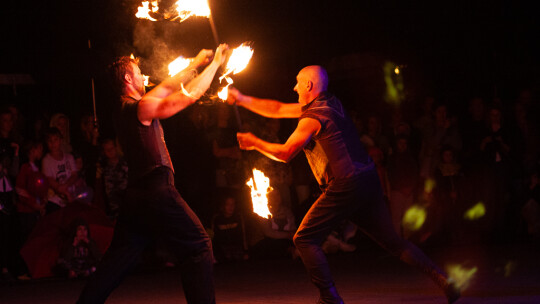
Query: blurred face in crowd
<point x="401" y="145"/>
<point x="62" y="124"/>
<point x="229" y="206"/>
<point x="495" y="116"/>
<point x="6" y="122"/>
<point x="54" y="143"/>
<point x="82" y="231"/>
<point x="440" y="113"/>
<point x="109" y="149"/>
<point x="447" y="156"/>
<point x="87" y="123"/>
<point x="36" y="152"/>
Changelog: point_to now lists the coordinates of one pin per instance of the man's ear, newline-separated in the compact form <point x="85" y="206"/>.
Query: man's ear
<point x="309" y="85"/>
<point x="127" y="78"/>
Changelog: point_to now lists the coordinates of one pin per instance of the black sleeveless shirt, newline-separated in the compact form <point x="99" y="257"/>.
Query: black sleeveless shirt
<point x="144" y="146"/>
<point x="336" y="152"/>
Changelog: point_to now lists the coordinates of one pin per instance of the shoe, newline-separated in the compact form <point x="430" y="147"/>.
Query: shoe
<point x="330" y="296"/>
<point x="452" y="291"/>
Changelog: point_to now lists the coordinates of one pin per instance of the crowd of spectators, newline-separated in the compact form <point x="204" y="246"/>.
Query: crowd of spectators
<point x="469" y="178"/>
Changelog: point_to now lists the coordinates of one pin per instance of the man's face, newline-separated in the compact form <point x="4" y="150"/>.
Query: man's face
<point x="138" y="79"/>
<point x="6" y="122"/>
<point x="109" y="149"/>
<point x="301" y="88"/>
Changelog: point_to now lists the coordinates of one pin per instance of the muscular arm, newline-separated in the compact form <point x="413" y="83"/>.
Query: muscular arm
<point x="168" y="99"/>
<point x="265" y="107"/>
<point x="306" y="128"/>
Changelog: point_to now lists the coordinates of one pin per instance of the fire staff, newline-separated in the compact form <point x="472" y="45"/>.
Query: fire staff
<point x="345" y="173"/>
<point x="152" y="207"/>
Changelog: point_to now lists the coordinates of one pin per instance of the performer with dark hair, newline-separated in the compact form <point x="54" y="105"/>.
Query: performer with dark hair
<point x="345" y="172"/>
<point x="153" y="209"/>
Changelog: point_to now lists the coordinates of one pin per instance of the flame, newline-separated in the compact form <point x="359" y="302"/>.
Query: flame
<point x="259" y="192"/>
<point x="461" y="275"/>
<point x="237" y="62"/>
<point x="178" y="65"/>
<point x="224" y="93"/>
<point x="188" y="8"/>
<point x="239" y="59"/>
<point x="131" y="56"/>
<point x="146" y="80"/>
<point x="144" y="9"/>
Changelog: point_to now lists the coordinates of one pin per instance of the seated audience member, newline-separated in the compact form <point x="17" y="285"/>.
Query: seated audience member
<point x="113" y="176"/>
<point x="276" y="232"/>
<point x="81" y="191"/>
<point x="32" y="188"/>
<point x="61" y="172"/>
<point x="229" y="241"/>
<point x="61" y="122"/>
<point x="79" y="254"/>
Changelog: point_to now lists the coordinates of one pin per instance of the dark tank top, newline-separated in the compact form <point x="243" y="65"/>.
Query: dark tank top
<point x="336" y="152"/>
<point x="144" y="146"/>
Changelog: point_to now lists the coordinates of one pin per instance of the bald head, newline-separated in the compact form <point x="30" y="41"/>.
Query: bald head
<point x="311" y="81"/>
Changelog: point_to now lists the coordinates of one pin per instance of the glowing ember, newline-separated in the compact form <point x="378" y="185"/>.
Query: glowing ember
<point x="461" y="275"/>
<point x="259" y="193"/>
<point x="178" y="65"/>
<point x="414" y="217"/>
<point x="475" y="212"/>
<point x="188" y="8"/>
<point x="144" y="10"/>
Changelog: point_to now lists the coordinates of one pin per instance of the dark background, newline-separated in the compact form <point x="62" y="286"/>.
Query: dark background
<point x="450" y="49"/>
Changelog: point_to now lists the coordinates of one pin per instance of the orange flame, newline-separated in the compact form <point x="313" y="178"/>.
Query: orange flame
<point x="259" y="192"/>
<point x="224" y="93"/>
<point x="238" y="61"/>
<point x="146" y="80"/>
<point x="178" y="65"/>
<point x="188" y="8"/>
<point x="144" y="10"/>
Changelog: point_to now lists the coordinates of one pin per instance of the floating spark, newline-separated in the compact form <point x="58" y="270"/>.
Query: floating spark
<point x="475" y="212"/>
<point x="461" y="275"/>
<point x="414" y="217"/>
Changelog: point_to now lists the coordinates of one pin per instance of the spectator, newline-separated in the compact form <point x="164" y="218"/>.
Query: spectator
<point x="113" y="175"/>
<point x="86" y="144"/>
<point x="229" y="241"/>
<point x="79" y="254"/>
<point x="403" y="179"/>
<point x="275" y="233"/>
<point x="32" y="188"/>
<point x="61" y="122"/>
<point x="81" y="191"/>
<point x="60" y="169"/>
<point x="378" y="158"/>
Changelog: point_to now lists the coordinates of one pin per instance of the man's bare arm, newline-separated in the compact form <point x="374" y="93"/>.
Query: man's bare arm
<point x="305" y="130"/>
<point x="265" y="107"/>
<point x="165" y="102"/>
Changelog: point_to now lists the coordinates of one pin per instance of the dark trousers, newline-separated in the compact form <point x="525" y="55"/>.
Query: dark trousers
<point x="153" y="209"/>
<point x="361" y="196"/>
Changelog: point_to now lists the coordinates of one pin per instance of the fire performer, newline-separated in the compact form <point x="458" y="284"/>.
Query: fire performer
<point x="345" y="172"/>
<point x="152" y="208"/>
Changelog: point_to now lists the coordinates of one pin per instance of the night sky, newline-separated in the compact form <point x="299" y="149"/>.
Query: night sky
<point x="453" y="50"/>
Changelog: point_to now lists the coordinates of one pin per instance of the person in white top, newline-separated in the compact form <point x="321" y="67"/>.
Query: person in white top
<point x="61" y="172"/>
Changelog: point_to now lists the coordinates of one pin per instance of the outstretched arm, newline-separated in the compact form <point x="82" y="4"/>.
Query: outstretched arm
<point x="265" y="107"/>
<point x="168" y="98"/>
<point x="306" y="128"/>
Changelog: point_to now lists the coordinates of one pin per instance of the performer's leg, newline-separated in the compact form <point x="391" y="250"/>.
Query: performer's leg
<point x="123" y="253"/>
<point x="325" y="214"/>
<point x="186" y="237"/>
<point x="377" y="224"/>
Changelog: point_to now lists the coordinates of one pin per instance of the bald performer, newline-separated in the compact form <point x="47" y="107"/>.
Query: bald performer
<point x="345" y="173"/>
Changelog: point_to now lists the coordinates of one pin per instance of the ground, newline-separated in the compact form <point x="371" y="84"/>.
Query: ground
<point x="506" y="273"/>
